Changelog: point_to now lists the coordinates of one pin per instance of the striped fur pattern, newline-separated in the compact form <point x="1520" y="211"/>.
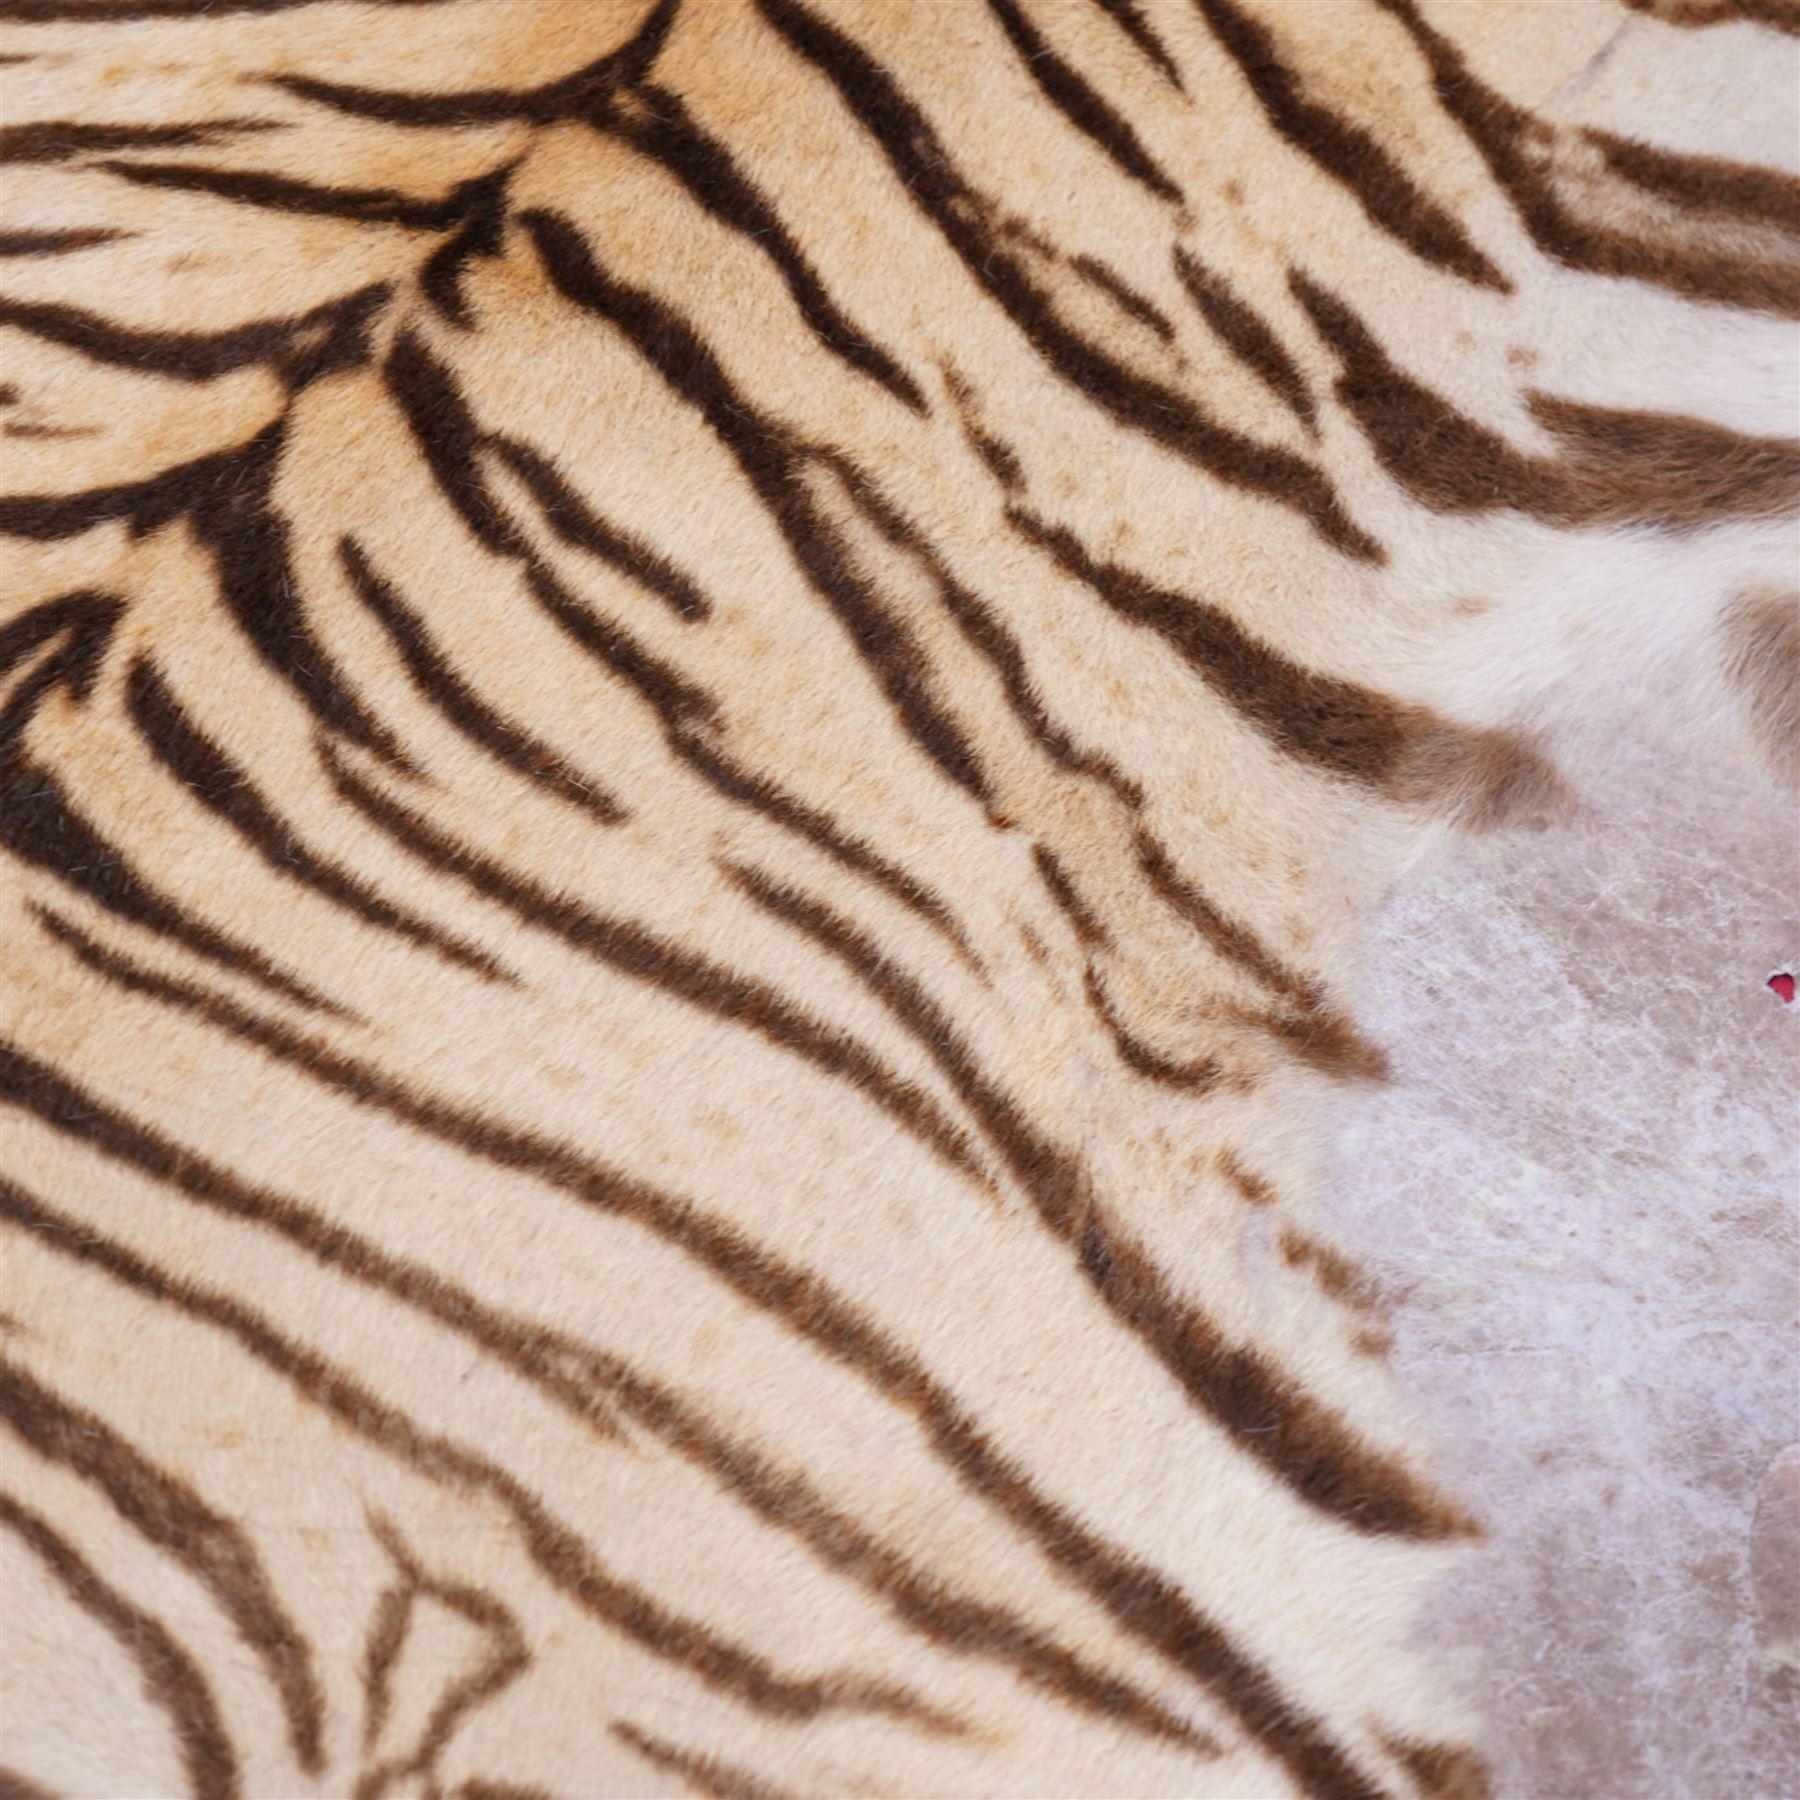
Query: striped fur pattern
<point x="698" y="700"/>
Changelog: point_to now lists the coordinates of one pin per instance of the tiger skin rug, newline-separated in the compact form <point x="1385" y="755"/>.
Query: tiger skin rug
<point x="701" y="699"/>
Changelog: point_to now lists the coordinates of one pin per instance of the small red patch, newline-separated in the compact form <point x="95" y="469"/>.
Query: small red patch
<point x="1782" y="987"/>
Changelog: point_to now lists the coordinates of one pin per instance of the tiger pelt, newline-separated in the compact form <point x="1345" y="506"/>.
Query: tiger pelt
<point x="699" y="700"/>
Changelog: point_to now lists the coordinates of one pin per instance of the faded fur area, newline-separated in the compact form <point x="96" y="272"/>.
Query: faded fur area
<point x="698" y="705"/>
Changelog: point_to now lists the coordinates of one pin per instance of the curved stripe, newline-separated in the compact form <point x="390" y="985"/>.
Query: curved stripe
<point x="777" y="467"/>
<point x="573" y="96"/>
<point x="453" y="442"/>
<point x="1245" y="333"/>
<point x="172" y="1516"/>
<point x="227" y="791"/>
<point x="40" y="826"/>
<point x="1080" y="103"/>
<point x="299" y="347"/>
<point x="235" y="517"/>
<point x="171" y="1679"/>
<point x="434" y="678"/>
<point x="556" y="1549"/>
<point x="284" y="193"/>
<point x="1388" y="196"/>
<point x="704" y="1775"/>
<point x="575" y="521"/>
<point x="1343" y="728"/>
<point x="657" y="124"/>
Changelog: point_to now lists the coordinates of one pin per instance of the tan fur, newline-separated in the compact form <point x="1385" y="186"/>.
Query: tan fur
<point x="1761" y="648"/>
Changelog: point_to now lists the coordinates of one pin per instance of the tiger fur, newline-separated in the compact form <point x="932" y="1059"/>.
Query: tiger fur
<point x="700" y="697"/>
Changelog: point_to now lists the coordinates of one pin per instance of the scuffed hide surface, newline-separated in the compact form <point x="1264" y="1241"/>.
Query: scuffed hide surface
<point x="1583" y="1194"/>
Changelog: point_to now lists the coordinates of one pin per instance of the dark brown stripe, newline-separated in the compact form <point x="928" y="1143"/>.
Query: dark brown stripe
<point x="965" y="218"/>
<point x="777" y="468"/>
<point x="1442" y="1771"/>
<point x="1143" y="1601"/>
<point x="453" y="440"/>
<point x="385" y="1639"/>
<point x="1249" y="1185"/>
<point x="450" y="440"/>
<point x="1088" y="927"/>
<point x="576" y="522"/>
<point x="1616" y="468"/>
<point x="235" y="517"/>
<point x="588" y="1384"/>
<point x="438" y="683"/>
<point x="1123" y="295"/>
<point x="705" y="1775"/>
<point x="227" y="791"/>
<point x="1667" y="469"/>
<point x="1337" y="1276"/>
<point x="300" y="347"/>
<point x="565" y="1370"/>
<point x="985" y="631"/>
<point x="1128" y="15"/>
<point x="1302" y="1441"/>
<point x="143" y="504"/>
<point x="1322" y="1039"/>
<point x="1778" y="15"/>
<point x="1197" y="1077"/>
<point x="1052" y="1178"/>
<point x="656" y="123"/>
<point x="168" y="1512"/>
<point x="755" y="789"/>
<point x="1388" y="196"/>
<point x="1343" y="728"/>
<point x="1080" y="103"/>
<point x="1246" y="334"/>
<point x="85" y="622"/>
<point x="1001" y="459"/>
<point x="684" y="708"/>
<point x="39" y="826"/>
<point x="1235" y="942"/>
<point x="629" y="950"/>
<point x="481" y="234"/>
<point x="171" y="1680"/>
<point x="57" y="243"/>
<point x="506" y="1659"/>
<point x="1308" y="1026"/>
<point x="555" y="1548"/>
<point x="282" y="193"/>
<point x="1513" y="144"/>
<point x="60" y="140"/>
<point x="922" y="1598"/>
<point x="1710" y="187"/>
<point x="574" y="96"/>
